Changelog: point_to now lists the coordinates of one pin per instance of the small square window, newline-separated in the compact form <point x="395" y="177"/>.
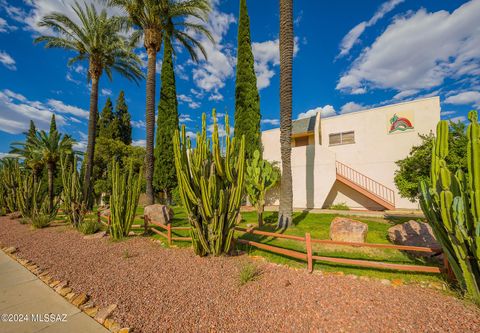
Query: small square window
<point x="341" y="138"/>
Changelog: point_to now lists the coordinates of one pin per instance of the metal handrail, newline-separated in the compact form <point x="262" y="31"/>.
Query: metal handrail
<point x="366" y="182"/>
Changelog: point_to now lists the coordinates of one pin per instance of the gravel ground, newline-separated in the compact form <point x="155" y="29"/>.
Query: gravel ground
<point x="172" y="290"/>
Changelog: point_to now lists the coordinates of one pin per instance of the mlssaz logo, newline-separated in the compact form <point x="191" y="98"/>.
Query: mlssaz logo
<point x="399" y="124"/>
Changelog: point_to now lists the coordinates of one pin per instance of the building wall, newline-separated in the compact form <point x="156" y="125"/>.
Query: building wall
<point x="373" y="154"/>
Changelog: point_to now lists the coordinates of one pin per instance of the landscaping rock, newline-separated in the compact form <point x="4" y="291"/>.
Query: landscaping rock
<point x="10" y="250"/>
<point x="92" y="312"/>
<point x="105" y="212"/>
<point x="124" y="330"/>
<point x="70" y="296"/>
<point x="413" y="233"/>
<point x="15" y="215"/>
<point x="80" y="299"/>
<point x="61" y="285"/>
<point x="96" y="235"/>
<point x="159" y="214"/>
<point x="347" y="230"/>
<point x="64" y="291"/>
<point x="104" y="313"/>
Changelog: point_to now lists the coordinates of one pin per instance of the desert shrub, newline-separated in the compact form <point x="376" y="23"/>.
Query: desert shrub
<point x="24" y="220"/>
<point x="339" y="206"/>
<point x="88" y="227"/>
<point x="40" y="220"/>
<point x="248" y="272"/>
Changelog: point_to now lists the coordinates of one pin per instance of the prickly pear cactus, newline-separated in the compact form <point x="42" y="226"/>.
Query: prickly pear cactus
<point x="211" y="186"/>
<point x="452" y="206"/>
<point x="260" y="176"/>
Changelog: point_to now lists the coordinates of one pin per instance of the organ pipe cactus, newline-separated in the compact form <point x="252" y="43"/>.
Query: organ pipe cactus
<point x="28" y="195"/>
<point x="260" y="176"/>
<point x="452" y="206"/>
<point x="73" y="205"/>
<point x="124" y="199"/>
<point x="10" y="177"/>
<point x="211" y="186"/>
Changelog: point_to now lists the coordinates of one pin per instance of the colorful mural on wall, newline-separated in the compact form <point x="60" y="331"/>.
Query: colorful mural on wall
<point x="400" y="124"/>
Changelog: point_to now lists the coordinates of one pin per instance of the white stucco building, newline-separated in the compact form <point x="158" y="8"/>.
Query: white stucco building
<point x="350" y="158"/>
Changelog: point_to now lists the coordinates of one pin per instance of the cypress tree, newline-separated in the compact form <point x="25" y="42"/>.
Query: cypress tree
<point x="247" y="99"/>
<point x="123" y="120"/>
<point x="167" y="122"/>
<point x="106" y="119"/>
<point x="53" y="124"/>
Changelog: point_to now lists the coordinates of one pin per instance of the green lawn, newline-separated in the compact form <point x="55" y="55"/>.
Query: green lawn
<point x="318" y="226"/>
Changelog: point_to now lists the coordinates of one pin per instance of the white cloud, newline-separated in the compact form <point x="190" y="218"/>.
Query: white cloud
<point x="210" y="75"/>
<point x="351" y="107"/>
<point x="183" y="118"/>
<point x="405" y="93"/>
<point x="59" y="106"/>
<point x="419" y="50"/>
<point x="447" y="113"/>
<point x="6" y="155"/>
<point x="352" y="37"/>
<point x="267" y="56"/>
<point x="274" y="122"/>
<point x="7" y="61"/>
<point x="139" y="143"/>
<point x="326" y="111"/>
<point x="215" y="96"/>
<point x="137" y="123"/>
<point x="106" y="92"/>
<point x="221" y="130"/>
<point x="70" y="78"/>
<point x="457" y="119"/>
<point x="5" y="27"/>
<point x="187" y="99"/>
<point x="16" y="111"/>
<point x="466" y="97"/>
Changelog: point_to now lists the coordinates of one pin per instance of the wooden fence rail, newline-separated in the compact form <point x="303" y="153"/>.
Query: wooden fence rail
<point x="309" y="257"/>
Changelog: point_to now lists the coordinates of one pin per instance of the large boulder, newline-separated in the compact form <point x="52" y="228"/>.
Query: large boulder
<point x="413" y="233"/>
<point x="343" y="229"/>
<point x="158" y="214"/>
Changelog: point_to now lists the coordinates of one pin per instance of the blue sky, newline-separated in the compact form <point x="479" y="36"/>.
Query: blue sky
<point x="350" y="55"/>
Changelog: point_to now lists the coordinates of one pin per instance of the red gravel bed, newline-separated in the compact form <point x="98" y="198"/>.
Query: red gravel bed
<point x="172" y="290"/>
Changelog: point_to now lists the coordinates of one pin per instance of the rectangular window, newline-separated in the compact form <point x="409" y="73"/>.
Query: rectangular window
<point x="341" y="138"/>
<point x="301" y="141"/>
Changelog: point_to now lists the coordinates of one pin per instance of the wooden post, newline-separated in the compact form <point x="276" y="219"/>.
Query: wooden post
<point x="448" y="269"/>
<point x="169" y="233"/>
<point x="145" y="224"/>
<point x="308" y="245"/>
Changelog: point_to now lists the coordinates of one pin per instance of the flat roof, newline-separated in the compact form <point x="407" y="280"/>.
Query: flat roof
<point x="306" y="122"/>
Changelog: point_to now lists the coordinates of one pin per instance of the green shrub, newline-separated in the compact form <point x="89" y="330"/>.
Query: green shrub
<point x="24" y="220"/>
<point x="248" y="272"/>
<point x="40" y="220"/>
<point x="89" y="226"/>
<point x="176" y="198"/>
<point x="339" y="206"/>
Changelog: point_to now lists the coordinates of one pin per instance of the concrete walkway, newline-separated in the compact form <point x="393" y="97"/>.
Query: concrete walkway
<point x="23" y="294"/>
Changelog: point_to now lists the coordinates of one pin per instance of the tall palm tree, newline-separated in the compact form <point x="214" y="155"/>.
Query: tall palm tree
<point x="153" y="18"/>
<point x="286" y="61"/>
<point x="98" y="39"/>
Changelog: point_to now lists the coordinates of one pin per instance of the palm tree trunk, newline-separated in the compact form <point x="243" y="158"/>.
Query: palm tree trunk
<point x="50" y="170"/>
<point x="286" y="60"/>
<point x="92" y="127"/>
<point x="150" y="122"/>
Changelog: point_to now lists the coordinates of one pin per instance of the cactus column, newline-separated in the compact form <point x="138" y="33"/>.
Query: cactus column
<point x="211" y="186"/>
<point x="452" y="206"/>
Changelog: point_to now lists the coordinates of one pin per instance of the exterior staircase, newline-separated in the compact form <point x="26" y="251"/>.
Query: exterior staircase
<point x="370" y="188"/>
